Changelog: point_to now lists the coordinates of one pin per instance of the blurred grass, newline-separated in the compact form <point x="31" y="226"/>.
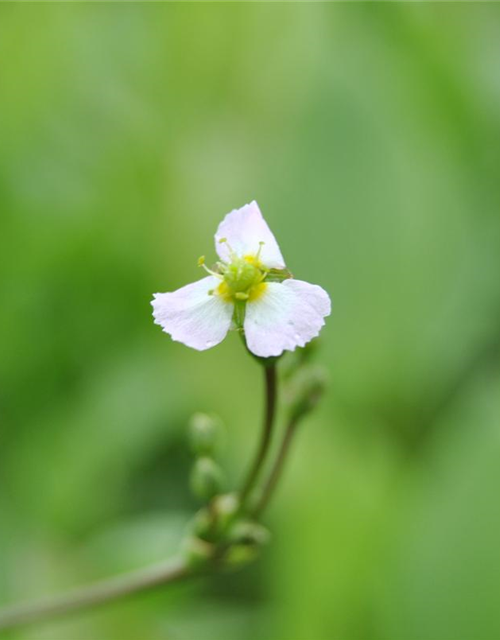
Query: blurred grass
<point x="369" y="134"/>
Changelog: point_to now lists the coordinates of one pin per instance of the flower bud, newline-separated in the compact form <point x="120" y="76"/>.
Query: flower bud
<point x="202" y="524"/>
<point x="239" y="555"/>
<point x="206" y="478"/>
<point x="197" y="552"/>
<point x="304" y="389"/>
<point x="245" y="540"/>
<point x="225" y="509"/>
<point x="250" y="533"/>
<point x="204" y="433"/>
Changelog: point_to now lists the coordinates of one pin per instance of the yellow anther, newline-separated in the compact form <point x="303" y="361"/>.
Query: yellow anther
<point x="201" y="263"/>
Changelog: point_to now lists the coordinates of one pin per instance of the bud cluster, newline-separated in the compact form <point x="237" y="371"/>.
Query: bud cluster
<point x="219" y="532"/>
<point x="207" y="477"/>
<point x="225" y="532"/>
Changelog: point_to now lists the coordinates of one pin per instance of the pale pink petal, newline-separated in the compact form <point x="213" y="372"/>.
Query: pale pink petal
<point x="192" y="316"/>
<point x="287" y="315"/>
<point x="244" y="229"/>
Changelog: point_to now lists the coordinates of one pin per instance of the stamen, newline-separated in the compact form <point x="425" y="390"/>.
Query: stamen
<point x="261" y="244"/>
<point x="263" y="276"/>
<point x="201" y="263"/>
<point x="232" y="252"/>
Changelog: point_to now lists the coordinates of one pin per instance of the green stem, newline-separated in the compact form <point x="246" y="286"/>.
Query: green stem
<point x="265" y="441"/>
<point x="277" y="469"/>
<point x="94" y="595"/>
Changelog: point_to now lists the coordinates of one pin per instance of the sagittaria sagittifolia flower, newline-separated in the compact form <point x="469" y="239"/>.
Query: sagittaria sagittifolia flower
<point x="250" y="289"/>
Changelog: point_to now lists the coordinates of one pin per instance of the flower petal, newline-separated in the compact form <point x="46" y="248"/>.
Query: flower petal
<point x="287" y="315"/>
<point x="192" y="316"/>
<point x="244" y="229"/>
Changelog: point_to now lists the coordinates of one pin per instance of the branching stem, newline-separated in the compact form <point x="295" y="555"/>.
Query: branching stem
<point x="277" y="470"/>
<point x="270" y="410"/>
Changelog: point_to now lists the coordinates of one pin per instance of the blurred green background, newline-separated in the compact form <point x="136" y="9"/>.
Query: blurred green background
<point x="370" y="136"/>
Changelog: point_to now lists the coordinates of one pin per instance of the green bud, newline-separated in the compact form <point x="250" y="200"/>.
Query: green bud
<point x="206" y="479"/>
<point x="250" y="533"/>
<point x="225" y="508"/>
<point x="304" y="389"/>
<point x="197" y="552"/>
<point x="239" y="555"/>
<point x="204" y="433"/>
<point x="245" y="540"/>
<point x="202" y="524"/>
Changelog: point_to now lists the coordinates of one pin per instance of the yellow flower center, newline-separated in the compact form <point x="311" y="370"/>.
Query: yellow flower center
<point x="243" y="280"/>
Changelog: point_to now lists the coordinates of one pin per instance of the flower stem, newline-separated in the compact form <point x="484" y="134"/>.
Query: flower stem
<point x="277" y="470"/>
<point x="96" y="594"/>
<point x="270" y="410"/>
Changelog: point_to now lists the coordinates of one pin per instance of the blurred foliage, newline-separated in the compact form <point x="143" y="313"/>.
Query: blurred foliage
<point x="370" y="136"/>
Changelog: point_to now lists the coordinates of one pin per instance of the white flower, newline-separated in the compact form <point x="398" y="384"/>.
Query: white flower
<point x="249" y="288"/>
